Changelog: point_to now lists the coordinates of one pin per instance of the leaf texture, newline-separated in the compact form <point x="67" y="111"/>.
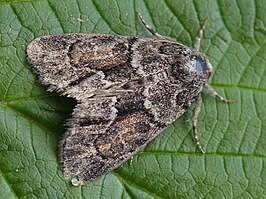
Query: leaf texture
<point x="233" y="135"/>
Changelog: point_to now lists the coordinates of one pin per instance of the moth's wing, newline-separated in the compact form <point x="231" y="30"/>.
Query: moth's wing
<point x="102" y="136"/>
<point x="63" y="61"/>
<point x="104" y="132"/>
<point x="80" y="149"/>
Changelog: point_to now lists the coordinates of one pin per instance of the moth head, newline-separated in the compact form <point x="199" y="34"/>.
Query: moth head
<point x="200" y="64"/>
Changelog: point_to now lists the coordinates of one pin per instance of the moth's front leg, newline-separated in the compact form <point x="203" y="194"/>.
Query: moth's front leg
<point x="211" y="90"/>
<point x="194" y="120"/>
<point x="196" y="111"/>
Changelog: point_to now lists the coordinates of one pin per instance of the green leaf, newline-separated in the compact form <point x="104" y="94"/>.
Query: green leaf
<point x="233" y="135"/>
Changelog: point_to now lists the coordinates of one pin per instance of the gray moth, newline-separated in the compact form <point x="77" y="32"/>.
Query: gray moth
<point x="128" y="88"/>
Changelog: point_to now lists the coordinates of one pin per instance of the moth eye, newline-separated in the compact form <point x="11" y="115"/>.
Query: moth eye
<point x="199" y="63"/>
<point x="192" y="58"/>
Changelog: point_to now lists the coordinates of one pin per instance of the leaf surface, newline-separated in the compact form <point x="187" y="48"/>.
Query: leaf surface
<point x="233" y="135"/>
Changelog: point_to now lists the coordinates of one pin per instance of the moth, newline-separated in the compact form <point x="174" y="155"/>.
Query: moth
<point x="128" y="89"/>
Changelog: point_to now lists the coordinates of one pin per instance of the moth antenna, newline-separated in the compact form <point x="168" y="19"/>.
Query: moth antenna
<point x="150" y="29"/>
<point x="200" y="34"/>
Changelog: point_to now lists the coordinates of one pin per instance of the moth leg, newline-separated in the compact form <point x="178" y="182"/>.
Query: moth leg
<point x="200" y="33"/>
<point x="150" y="29"/>
<point x="131" y="161"/>
<point x="215" y="94"/>
<point x="194" y="119"/>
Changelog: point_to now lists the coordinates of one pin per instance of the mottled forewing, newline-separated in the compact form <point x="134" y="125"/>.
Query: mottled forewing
<point x="63" y="61"/>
